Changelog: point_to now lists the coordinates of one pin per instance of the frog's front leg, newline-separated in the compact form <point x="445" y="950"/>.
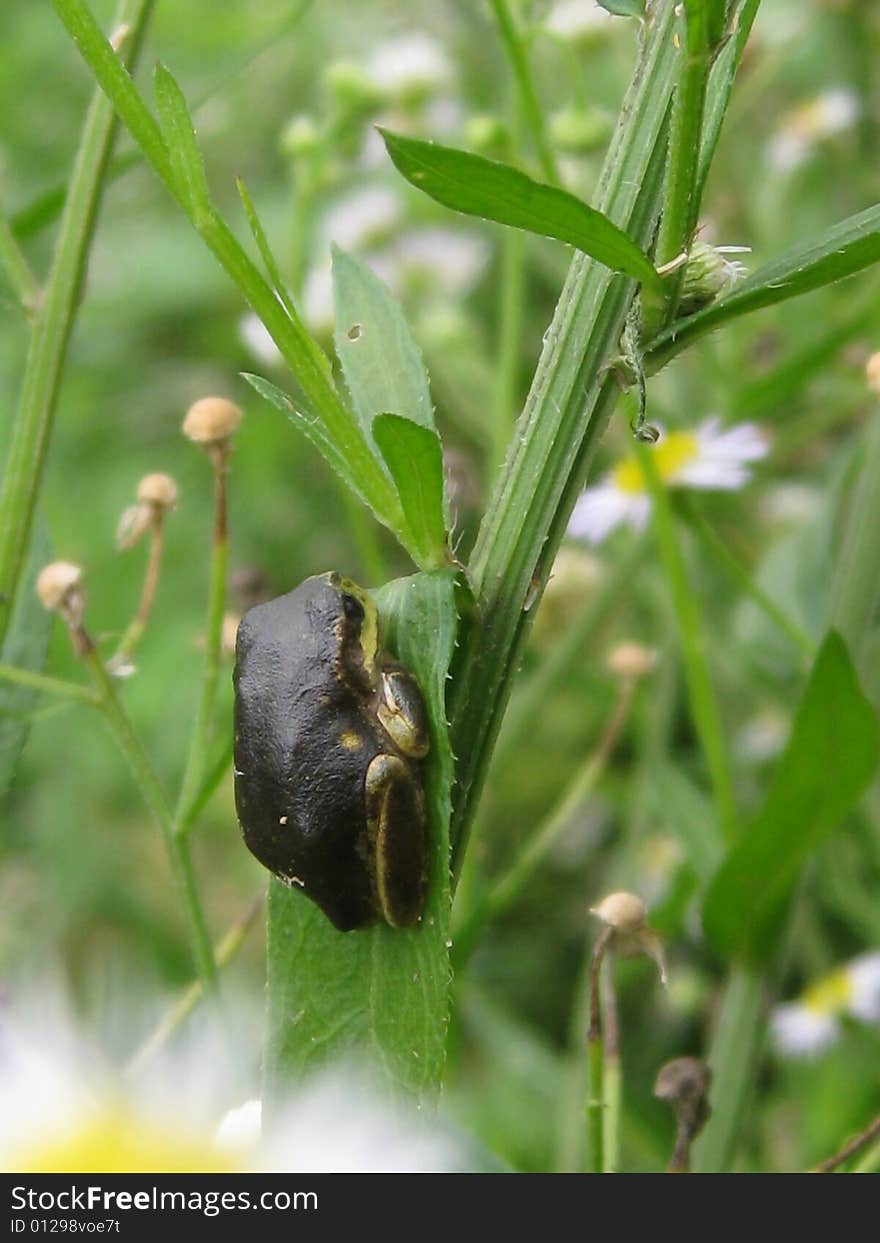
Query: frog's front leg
<point x="396" y="824"/>
<point x="401" y="710"/>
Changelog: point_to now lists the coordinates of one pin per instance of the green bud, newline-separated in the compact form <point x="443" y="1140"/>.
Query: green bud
<point x="578" y="131"/>
<point x="487" y="135"/>
<point x="707" y="274"/>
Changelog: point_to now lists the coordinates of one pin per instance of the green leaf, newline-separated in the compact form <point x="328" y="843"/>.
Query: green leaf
<point x="413" y="455"/>
<point x="844" y="249"/>
<point x="378" y="996"/>
<point x="829" y="760"/>
<point x="311" y="428"/>
<point x="479" y="187"/>
<point x="180" y="140"/>
<point x="623" y="8"/>
<point x="378" y="354"/>
<point x="24" y="647"/>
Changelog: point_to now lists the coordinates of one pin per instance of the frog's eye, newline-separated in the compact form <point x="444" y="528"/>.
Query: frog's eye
<point x="352" y="608"/>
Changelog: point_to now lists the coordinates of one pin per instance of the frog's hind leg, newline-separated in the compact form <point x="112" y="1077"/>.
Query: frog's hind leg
<point x="398" y="839"/>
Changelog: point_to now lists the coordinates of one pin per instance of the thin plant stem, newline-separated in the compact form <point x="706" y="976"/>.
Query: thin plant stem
<point x="849" y="1149"/>
<point x="154" y="796"/>
<point x="198" y="749"/>
<point x="596" y="1059"/>
<point x="612" y="1080"/>
<point x="17" y="268"/>
<point x="704" y="705"/>
<point x="505" y="891"/>
<point x="136" y="627"/>
<point x="224" y="951"/>
<point x="47" y="352"/>
<point x="720" y="553"/>
<point x="49" y="686"/>
<point x="517" y="54"/>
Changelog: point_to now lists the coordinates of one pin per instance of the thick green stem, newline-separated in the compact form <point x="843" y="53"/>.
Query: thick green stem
<point x="47" y="352"/>
<point x="571" y="398"/>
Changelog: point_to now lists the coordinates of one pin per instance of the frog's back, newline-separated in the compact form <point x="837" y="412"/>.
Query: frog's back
<point x="302" y="746"/>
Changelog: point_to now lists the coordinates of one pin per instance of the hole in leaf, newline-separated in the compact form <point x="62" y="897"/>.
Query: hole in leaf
<point x="355" y="332"/>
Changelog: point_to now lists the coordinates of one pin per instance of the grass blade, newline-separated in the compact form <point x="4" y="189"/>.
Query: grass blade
<point x="829" y="760"/>
<point x="479" y="187"/>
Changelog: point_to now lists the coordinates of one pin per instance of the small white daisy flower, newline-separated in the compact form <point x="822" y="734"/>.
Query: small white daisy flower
<point x="411" y="66"/>
<point x="710" y="457"/>
<point x="577" y="21"/>
<point x="802" y="129"/>
<point x="809" y="1025"/>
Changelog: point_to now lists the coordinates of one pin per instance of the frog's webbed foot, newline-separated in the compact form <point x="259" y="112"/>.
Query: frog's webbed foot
<point x="398" y="839"/>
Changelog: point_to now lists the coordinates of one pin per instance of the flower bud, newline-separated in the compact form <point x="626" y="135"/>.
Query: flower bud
<point x="158" y="490"/>
<point x="684" y="1084"/>
<point x="579" y="131"/>
<point x="301" y="137"/>
<point x="632" y="660"/>
<point x="872" y="372"/>
<point x="707" y="274"/>
<point x="211" y="421"/>
<point x="488" y="136"/>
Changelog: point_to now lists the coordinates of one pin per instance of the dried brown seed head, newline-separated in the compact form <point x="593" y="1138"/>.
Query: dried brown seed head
<point x="211" y="421"/>
<point x="624" y="912"/>
<point x="158" y="490"/>
<point x="59" y="585"/>
<point x="632" y="660"/>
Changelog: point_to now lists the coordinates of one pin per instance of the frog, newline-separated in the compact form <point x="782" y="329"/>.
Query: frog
<point x="330" y="733"/>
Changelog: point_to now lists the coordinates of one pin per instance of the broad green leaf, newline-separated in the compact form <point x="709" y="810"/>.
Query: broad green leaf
<point x="380" y="360"/>
<point x="180" y="140"/>
<point x="623" y="8"/>
<point x="844" y="249"/>
<point x="414" y="457"/>
<point x="829" y="760"/>
<point x="480" y="187"/>
<point x="25" y="648"/>
<point x="379" y="996"/>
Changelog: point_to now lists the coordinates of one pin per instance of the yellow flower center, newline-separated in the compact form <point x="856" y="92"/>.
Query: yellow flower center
<point x="114" y="1142"/>
<point x="671" y="453"/>
<point x="828" y="995"/>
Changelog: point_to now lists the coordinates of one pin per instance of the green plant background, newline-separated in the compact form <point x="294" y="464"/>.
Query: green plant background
<point x="85" y="892"/>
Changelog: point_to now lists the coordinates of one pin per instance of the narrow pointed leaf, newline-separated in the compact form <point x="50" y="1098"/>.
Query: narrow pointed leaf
<point x="179" y="133"/>
<point x="844" y="249"/>
<point x="259" y="235"/>
<point x="479" y="187"/>
<point x="414" y="457"/>
<point x="623" y="8"/>
<point x="311" y="428"/>
<point x="378" y="997"/>
<point x="829" y="760"/>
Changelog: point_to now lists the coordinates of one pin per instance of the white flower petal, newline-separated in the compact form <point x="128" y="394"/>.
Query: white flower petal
<point x="602" y="508"/>
<point x="411" y="62"/>
<point x="864" y="976"/>
<point x="800" y="1032"/>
